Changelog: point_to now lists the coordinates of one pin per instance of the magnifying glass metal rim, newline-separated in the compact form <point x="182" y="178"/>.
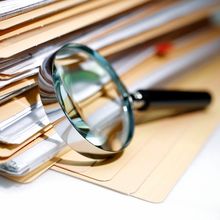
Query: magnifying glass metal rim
<point x="90" y="149"/>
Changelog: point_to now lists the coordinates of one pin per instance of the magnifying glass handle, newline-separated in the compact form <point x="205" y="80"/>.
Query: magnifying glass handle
<point x="172" y="99"/>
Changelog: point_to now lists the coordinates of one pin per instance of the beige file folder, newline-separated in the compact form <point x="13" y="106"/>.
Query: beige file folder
<point x="8" y="110"/>
<point x="9" y="151"/>
<point x="166" y="28"/>
<point x="165" y="153"/>
<point x="72" y="11"/>
<point x="35" y="37"/>
<point x="52" y="8"/>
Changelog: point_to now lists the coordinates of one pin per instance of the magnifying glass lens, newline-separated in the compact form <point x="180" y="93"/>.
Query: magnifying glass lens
<point x="92" y="98"/>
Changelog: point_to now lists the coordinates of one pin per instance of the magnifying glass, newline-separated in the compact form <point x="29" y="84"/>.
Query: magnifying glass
<point x="89" y="106"/>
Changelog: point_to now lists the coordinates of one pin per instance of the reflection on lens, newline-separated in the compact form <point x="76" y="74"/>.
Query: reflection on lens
<point x="92" y="99"/>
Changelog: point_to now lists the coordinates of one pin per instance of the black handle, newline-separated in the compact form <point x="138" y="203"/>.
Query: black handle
<point x="178" y="100"/>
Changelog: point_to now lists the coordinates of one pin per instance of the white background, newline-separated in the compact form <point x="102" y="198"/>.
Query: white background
<point x="57" y="196"/>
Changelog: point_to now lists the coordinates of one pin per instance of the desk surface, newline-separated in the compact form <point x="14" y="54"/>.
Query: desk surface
<point x="57" y="196"/>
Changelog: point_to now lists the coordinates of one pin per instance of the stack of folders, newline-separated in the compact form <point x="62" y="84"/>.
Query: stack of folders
<point x="147" y="42"/>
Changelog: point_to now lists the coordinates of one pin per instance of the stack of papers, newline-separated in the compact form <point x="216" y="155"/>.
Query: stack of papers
<point x="132" y="35"/>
